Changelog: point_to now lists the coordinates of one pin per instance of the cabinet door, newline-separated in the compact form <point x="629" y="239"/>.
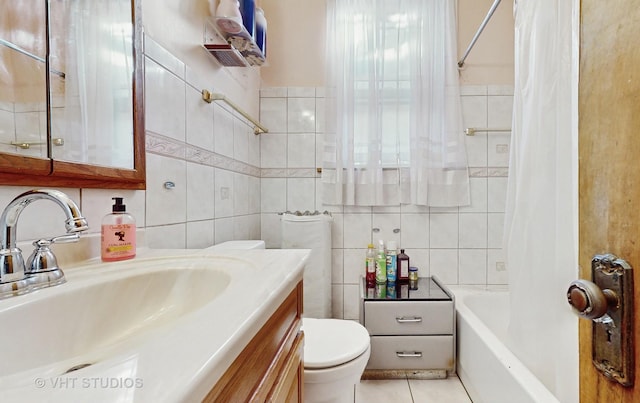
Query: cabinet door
<point x="260" y="365"/>
<point x="288" y="386"/>
<point x="40" y="149"/>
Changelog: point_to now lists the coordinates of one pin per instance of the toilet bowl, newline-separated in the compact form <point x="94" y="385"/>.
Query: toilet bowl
<point x="335" y="354"/>
<point x="336" y="351"/>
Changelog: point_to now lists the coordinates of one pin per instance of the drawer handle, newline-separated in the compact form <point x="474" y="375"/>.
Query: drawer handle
<point x="409" y="354"/>
<point x="411" y="319"/>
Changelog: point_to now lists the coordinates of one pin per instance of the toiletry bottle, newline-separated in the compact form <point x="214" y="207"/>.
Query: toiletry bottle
<point x="392" y="255"/>
<point x="261" y="31"/>
<point x="229" y="9"/>
<point x="381" y="264"/>
<point x="229" y="18"/>
<point x="413" y="278"/>
<point x="248" y="11"/>
<point x="370" y="265"/>
<point x="118" y="241"/>
<point x="403" y="267"/>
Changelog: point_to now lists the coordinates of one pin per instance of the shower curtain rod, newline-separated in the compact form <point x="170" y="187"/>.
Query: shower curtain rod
<point x="477" y="35"/>
<point x="31" y="55"/>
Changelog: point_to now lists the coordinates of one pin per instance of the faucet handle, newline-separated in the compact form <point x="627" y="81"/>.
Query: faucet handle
<point x="42" y="265"/>
<point x="58" y="239"/>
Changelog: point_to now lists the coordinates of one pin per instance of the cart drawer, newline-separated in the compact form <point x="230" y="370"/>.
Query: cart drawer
<point x="411" y="352"/>
<point x="409" y="318"/>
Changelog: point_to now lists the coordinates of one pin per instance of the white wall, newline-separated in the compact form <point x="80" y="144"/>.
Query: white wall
<point x="296" y="43"/>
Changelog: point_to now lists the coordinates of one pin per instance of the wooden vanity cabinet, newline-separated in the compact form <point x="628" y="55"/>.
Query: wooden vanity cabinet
<point x="270" y="367"/>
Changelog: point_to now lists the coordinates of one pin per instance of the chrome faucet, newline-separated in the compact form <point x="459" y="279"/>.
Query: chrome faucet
<point x="15" y="278"/>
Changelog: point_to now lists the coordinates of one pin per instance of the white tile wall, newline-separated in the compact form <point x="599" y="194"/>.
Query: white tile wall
<point x="169" y="205"/>
<point x="208" y="151"/>
<point x="199" y="120"/>
<point x="223" y="131"/>
<point x="200" y="192"/>
<point x="165" y="101"/>
<point x="461" y="245"/>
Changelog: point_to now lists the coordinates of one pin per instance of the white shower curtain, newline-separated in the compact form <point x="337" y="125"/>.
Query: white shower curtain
<point x="98" y="83"/>
<point x="393" y="118"/>
<point x="541" y="213"/>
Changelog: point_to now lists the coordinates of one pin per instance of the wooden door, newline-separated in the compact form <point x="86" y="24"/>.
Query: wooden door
<point x="609" y="163"/>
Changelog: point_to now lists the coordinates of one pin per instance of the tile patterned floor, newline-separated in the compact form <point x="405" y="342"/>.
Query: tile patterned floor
<point x="448" y="390"/>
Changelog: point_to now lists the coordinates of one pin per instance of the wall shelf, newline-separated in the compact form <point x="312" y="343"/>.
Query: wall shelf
<point x="240" y="50"/>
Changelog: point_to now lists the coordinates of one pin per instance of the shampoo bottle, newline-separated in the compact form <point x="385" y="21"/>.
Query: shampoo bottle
<point x="381" y="264"/>
<point x="370" y="266"/>
<point x="392" y="256"/>
<point x="248" y="11"/>
<point x="118" y="241"/>
<point x="261" y="31"/>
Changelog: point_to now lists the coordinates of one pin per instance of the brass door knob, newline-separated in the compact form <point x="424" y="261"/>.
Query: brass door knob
<point x="589" y="301"/>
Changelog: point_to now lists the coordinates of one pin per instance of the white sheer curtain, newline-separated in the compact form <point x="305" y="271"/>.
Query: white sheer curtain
<point x="393" y="121"/>
<point x="98" y="84"/>
<point x="541" y="213"/>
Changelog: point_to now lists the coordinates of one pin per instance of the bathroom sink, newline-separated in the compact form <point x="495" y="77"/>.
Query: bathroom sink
<point x="94" y="314"/>
<point x="161" y="327"/>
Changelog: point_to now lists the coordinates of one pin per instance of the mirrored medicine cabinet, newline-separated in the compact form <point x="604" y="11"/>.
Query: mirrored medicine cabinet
<point x="71" y="94"/>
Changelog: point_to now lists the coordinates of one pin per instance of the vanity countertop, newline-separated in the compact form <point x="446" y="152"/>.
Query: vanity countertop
<point x="167" y="362"/>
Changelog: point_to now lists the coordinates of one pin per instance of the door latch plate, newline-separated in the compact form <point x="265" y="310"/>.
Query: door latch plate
<point x="613" y="352"/>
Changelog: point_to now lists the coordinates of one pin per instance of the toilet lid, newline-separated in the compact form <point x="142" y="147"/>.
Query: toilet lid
<point x="331" y="342"/>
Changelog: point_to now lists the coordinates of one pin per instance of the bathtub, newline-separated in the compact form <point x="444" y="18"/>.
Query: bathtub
<point x="489" y="371"/>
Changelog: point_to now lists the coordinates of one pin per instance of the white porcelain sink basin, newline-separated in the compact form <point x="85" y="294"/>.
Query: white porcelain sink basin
<point x="160" y="328"/>
<point x="83" y="318"/>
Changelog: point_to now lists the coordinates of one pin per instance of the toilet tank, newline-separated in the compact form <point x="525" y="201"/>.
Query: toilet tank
<point x="239" y="244"/>
<point x="312" y="232"/>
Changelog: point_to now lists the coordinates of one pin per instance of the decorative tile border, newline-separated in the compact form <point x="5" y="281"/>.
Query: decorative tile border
<point x="172" y="148"/>
<point x="498" y="172"/>
<point x="158" y="144"/>
<point x="474" y="172"/>
<point x="493" y="172"/>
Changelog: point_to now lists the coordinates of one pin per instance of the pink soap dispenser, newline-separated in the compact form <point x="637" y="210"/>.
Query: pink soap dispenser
<point x="118" y="234"/>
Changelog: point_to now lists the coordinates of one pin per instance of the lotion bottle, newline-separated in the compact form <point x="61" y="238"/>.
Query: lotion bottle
<point x="118" y="240"/>
<point x="370" y="266"/>
<point x="381" y="264"/>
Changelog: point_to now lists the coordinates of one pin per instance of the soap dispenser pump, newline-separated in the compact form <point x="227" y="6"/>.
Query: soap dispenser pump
<point x="118" y="234"/>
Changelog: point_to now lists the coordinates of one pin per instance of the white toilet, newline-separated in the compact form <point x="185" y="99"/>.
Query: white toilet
<point x="335" y="354"/>
<point x="335" y="351"/>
